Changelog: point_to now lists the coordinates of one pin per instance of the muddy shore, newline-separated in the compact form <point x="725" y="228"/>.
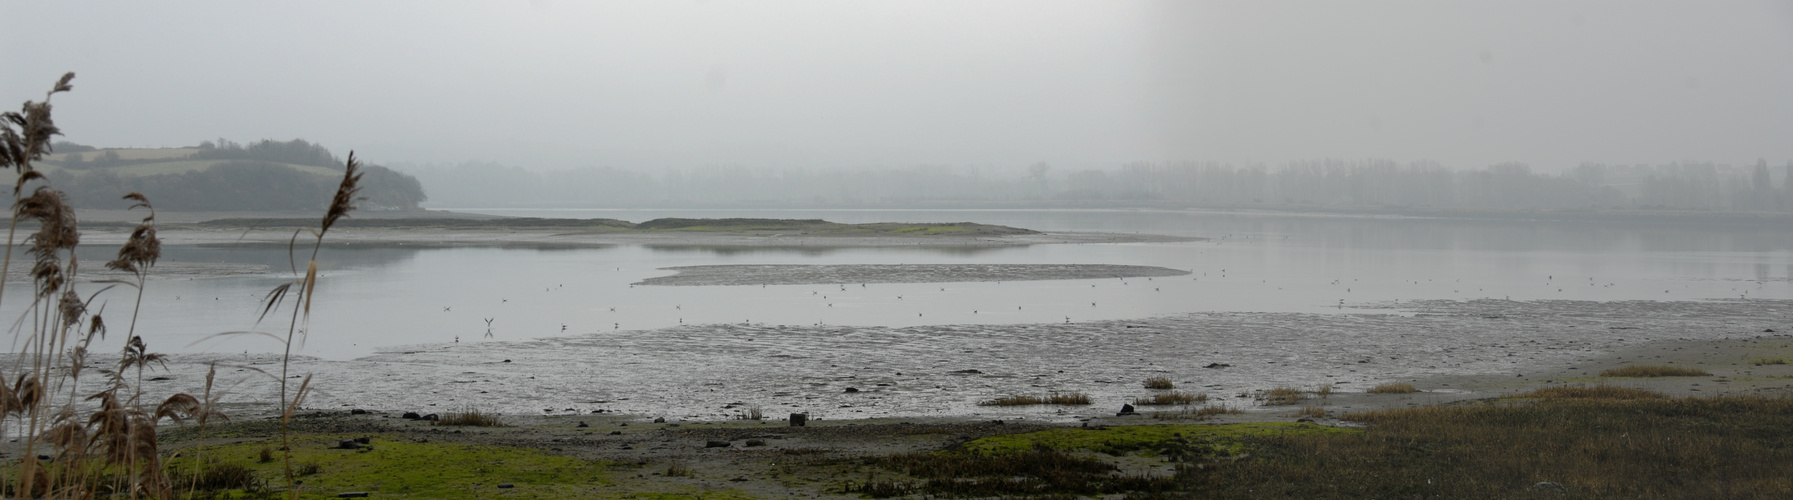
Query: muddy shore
<point x="772" y="459"/>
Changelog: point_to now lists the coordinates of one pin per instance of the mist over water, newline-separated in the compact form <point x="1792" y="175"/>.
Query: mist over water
<point x="380" y="296"/>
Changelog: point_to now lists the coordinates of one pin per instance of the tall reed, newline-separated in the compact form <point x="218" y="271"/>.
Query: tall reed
<point x="110" y="449"/>
<point x="302" y="290"/>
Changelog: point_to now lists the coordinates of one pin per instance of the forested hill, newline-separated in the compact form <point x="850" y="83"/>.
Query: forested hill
<point x="222" y="176"/>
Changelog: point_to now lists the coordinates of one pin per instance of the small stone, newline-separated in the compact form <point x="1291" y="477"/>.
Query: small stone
<point x="659" y="420"/>
<point x="352" y="494"/>
<point x="616" y="433"/>
<point x="432" y="417"/>
<point x="852" y="389"/>
<point x="1126" y="409"/>
<point x="363" y="440"/>
<point x="582" y="425"/>
<point x="357" y="411"/>
<point x="507" y="361"/>
<point x="506" y="485"/>
<point x="799" y="419"/>
<point x="347" y="444"/>
<point x="715" y="444"/>
<point x="411" y="415"/>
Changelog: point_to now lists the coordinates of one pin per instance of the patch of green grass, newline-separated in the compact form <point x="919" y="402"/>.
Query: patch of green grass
<point x="1053" y="473"/>
<point x="1723" y="447"/>
<point x="397" y="468"/>
<point x="1123" y="439"/>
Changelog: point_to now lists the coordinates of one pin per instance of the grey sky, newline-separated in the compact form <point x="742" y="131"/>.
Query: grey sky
<point x="823" y="84"/>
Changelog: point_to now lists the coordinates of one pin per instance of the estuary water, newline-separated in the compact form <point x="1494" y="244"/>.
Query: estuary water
<point x="374" y="297"/>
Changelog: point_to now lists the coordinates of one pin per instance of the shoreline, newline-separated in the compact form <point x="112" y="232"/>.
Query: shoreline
<point x="771" y="459"/>
<point x="713" y="372"/>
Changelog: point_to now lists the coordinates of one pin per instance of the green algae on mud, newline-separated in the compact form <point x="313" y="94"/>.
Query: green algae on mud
<point x="391" y="466"/>
<point x="1118" y="440"/>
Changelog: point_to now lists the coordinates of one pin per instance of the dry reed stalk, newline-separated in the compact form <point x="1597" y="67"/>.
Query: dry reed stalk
<point x="1159" y="383"/>
<point x="1070" y="398"/>
<point x="117" y="442"/>
<point x="471" y="417"/>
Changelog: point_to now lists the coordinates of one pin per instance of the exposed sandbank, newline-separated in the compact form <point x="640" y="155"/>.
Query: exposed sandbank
<point x="896" y="273"/>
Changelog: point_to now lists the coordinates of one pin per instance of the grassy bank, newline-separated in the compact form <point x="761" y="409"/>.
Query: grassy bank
<point x="1578" y="443"/>
<point x="1574" y="442"/>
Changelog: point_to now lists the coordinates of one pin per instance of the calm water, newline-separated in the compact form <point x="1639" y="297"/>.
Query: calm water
<point x="374" y="297"/>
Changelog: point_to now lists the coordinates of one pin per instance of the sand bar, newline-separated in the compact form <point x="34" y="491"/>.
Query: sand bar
<point x="897" y="273"/>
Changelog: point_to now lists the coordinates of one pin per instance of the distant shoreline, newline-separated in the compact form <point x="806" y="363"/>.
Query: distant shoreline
<point x="454" y="229"/>
<point x="1738" y="219"/>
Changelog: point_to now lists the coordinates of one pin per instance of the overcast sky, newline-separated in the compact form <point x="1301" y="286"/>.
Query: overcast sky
<point x="552" y="84"/>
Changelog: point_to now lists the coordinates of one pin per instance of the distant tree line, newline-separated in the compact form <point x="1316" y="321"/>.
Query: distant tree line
<point x="296" y="151"/>
<point x="1327" y="183"/>
<point x="260" y="176"/>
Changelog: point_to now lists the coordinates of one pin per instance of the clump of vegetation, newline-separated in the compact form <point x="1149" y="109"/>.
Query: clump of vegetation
<point x="1202" y="413"/>
<point x="225" y="476"/>
<point x="470" y="417"/>
<point x="1159" y="383"/>
<point x="751" y="413"/>
<point x="1056" y="398"/>
<point x="1310" y="412"/>
<point x="1281" y="396"/>
<point x="1653" y="371"/>
<point x="1393" y="388"/>
<point x="1595" y="392"/>
<point x="106" y="445"/>
<point x="1171" y="398"/>
<point x="1769" y="361"/>
<point x="676" y="470"/>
